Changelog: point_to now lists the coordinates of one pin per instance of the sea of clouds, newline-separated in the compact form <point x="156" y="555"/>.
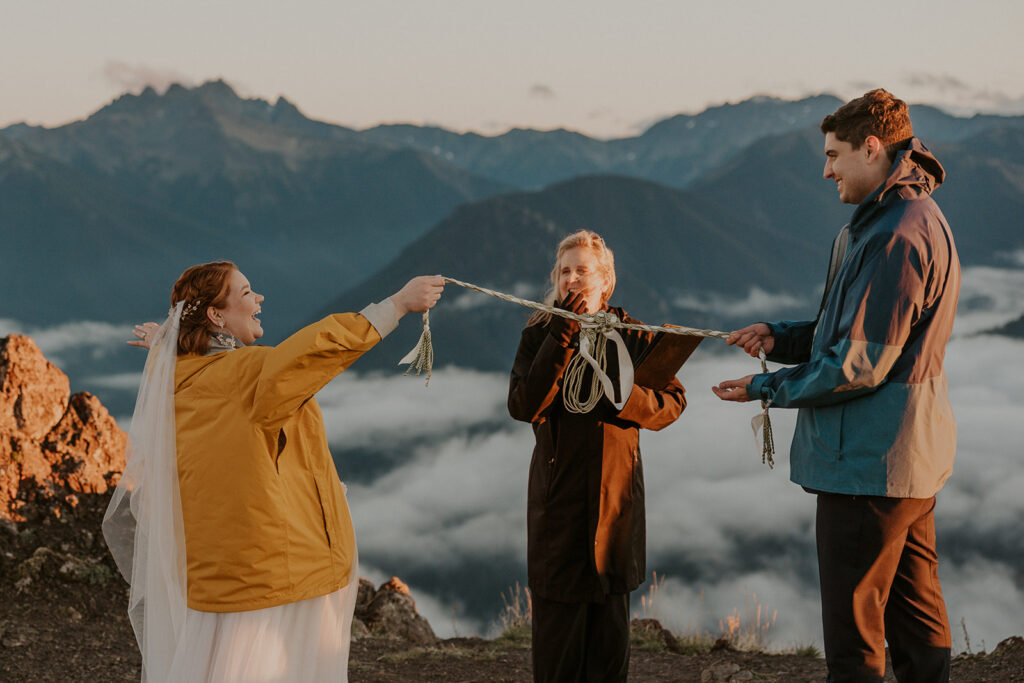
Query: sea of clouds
<point x="437" y="484"/>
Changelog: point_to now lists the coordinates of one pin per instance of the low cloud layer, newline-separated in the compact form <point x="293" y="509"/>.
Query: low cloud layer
<point x="756" y="302"/>
<point x="365" y="411"/>
<point x="61" y="343"/>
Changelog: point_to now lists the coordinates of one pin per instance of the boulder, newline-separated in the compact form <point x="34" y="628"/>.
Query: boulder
<point x="365" y="596"/>
<point x="86" y="447"/>
<point x="33" y="392"/>
<point x="1012" y="646"/>
<point x="654" y="629"/>
<point x="392" y="612"/>
<point x="53" y="446"/>
<point x="46" y="563"/>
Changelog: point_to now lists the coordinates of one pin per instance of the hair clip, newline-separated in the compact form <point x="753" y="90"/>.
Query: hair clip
<point x="190" y="308"/>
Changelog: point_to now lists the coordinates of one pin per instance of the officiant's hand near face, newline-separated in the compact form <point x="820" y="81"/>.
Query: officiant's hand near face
<point x="563" y="329"/>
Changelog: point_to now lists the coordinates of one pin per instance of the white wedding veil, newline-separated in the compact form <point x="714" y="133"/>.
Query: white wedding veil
<point x="142" y="525"/>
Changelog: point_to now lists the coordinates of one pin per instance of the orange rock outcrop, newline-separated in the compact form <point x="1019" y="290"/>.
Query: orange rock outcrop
<point x="53" y="445"/>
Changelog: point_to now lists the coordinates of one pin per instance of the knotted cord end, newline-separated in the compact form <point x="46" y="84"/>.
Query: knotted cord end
<point x="767" y="438"/>
<point x="422" y="355"/>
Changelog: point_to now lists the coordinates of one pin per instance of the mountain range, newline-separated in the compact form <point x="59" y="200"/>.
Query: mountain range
<point x="747" y="241"/>
<point x="98" y="217"/>
<point x="150" y="184"/>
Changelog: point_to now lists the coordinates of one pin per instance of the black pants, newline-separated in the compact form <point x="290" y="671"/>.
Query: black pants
<point x="580" y="641"/>
<point x="880" y="582"/>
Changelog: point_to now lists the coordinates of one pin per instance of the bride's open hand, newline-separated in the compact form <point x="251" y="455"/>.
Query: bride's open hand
<point x="145" y="333"/>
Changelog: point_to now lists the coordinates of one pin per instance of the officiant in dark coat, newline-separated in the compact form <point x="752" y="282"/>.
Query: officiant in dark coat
<point x="586" y="532"/>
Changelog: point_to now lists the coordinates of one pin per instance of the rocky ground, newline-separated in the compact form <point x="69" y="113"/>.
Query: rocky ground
<point x="63" y="618"/>
<point x="63" y="605"/>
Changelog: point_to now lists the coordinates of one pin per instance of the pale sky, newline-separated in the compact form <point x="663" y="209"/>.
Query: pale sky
<point x="604" y="68"/>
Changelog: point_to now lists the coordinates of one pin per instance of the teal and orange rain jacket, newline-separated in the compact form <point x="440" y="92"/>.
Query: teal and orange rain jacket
<point x="875" y="417"/>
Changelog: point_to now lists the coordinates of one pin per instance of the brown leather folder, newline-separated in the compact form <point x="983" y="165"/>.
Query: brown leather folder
<point x="662" y="359"/>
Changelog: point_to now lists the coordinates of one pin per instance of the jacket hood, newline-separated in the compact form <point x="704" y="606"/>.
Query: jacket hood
<point x="915" y="172"/>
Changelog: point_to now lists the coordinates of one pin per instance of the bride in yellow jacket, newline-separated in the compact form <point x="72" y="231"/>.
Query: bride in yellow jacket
<point x="230" y="521"/>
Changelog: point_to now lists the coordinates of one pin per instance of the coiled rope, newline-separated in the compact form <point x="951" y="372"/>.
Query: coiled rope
<point x="595" y="330"/>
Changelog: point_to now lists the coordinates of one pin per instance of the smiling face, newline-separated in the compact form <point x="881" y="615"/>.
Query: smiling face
<point x="239" y="311"/>
<point x="856" y="172"/>
<point x="579" y="270"/>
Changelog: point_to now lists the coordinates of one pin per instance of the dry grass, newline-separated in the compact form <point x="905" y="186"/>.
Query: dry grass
<point x="749" y="629"/>
<point x="515" y="617"/>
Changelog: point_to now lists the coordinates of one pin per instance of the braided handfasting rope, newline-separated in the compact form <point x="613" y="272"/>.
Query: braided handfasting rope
<point x="422" y="356"/>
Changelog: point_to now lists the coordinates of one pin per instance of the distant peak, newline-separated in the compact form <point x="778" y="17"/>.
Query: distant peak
<point x="217" y="87"/>
<point x="283" y="104"/>
<point x="17" y="130"/>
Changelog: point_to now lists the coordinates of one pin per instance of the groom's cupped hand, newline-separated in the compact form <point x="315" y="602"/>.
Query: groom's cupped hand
<point x="734" y="389"/>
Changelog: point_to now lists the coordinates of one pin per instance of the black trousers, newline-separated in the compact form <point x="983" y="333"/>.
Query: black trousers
<point x="580" y="641"/>
<point x="879" y="582"/>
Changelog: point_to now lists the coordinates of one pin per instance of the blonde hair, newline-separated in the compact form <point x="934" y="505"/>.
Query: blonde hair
<point x="605" y="258"/>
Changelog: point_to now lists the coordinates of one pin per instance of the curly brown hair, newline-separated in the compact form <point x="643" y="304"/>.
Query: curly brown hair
<point x="200" y="287"/>
<point x="877" y="112"/>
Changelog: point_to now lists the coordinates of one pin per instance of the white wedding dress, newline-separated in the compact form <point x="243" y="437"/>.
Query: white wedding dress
<point x="299" y="641"/>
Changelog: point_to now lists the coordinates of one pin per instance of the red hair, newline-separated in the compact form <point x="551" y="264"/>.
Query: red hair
<point x="200" y="287"/>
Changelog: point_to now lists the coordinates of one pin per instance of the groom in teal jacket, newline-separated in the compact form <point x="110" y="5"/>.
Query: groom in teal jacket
<point x="875" y="436"/>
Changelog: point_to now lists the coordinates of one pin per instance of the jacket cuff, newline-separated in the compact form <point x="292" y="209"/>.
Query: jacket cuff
<point x="631" y="406"/>
<point x="782" y="349"/>
<point x="383" y="317"/>
<point x="757" y="389"/>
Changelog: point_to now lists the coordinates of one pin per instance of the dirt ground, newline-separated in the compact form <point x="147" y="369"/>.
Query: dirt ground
<point x="63" y="618"/>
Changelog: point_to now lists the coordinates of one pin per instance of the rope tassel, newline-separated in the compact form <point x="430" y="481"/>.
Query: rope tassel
<point x="422" y="355"/>
<point x="762" y="425"/>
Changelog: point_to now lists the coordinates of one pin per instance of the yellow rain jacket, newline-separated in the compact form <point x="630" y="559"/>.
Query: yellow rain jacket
<point x="265" y="516"/>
